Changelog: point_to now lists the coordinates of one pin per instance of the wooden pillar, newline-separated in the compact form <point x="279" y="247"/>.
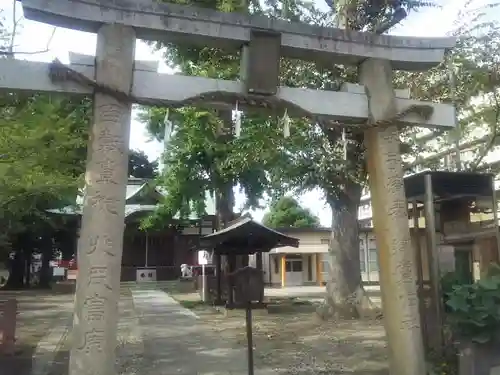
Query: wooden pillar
<point x="390" y="218"/>
<point x="101" y="241"/>
<point x="319" y="274"/>
<point x="420" y="271"/>
<point x="260" y="268"/>
<point x="433" y="259"/>
<point x="283" y="270"/>
<point x="232" y="267"/>
<point x="487" y="252"/>
<point x="495" y="217"/>
<point x="218" y="278"/>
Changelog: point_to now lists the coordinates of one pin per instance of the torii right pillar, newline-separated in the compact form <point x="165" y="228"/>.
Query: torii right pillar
<point x="390" y="219"/>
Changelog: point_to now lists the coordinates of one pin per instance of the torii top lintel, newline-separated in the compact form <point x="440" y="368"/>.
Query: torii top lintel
<point x="175" y="23"/>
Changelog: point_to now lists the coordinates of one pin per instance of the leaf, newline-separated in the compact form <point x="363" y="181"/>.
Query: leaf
<point x="488" y="284"/>
<point x="482" y="338"/>
<point x="458" y="304"/>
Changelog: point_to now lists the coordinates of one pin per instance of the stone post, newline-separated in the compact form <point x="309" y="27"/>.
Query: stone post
<point x="390" y="219"/>
<point x="101" y="239"/>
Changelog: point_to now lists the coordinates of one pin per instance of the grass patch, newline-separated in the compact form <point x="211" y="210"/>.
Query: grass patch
<point x="295" y="301"/>
<point x="191" y="304"/>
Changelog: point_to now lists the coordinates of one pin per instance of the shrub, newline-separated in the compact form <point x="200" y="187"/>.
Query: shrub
<point x="474" y="309"/>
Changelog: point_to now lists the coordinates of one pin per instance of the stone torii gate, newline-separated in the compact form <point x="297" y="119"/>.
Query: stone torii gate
<point x="116" y="80"/>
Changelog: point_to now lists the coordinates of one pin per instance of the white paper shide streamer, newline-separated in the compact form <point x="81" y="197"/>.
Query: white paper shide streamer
<point x="169" y="127"/>
<point x="237" y="121"/>
<point x="285" y="120"/>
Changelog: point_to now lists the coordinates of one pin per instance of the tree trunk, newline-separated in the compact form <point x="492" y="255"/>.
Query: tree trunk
<point x="29" y="261"/>
<point x="46" y="271"/>
<point x="223" y="187"/>
<point x="225" y="203"/>
<point x="16" y="271"/>
<point x="345" y="297"/>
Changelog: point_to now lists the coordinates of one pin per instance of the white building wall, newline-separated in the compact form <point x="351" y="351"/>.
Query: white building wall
<point x="313" y="246"/>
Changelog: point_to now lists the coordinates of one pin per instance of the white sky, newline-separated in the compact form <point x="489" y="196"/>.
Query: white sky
<point x="33" y="36"/>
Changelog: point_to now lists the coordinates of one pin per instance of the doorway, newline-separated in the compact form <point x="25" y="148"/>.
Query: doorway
<point x="464" y="264"/>
<point x="293" y="270"/>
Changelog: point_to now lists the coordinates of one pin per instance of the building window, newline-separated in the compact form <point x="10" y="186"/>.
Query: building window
<point x="362" y="262"/>
<point x="309" y="268"/>
<point x="293" y="266"/>
<point x="324" y="266"/>
<point x="362" y="265"/>
<point x="372" y="260"/>
<point x="297" y="266"/>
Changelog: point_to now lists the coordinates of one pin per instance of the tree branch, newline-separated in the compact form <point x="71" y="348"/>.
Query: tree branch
<point x="493" y="138"/>
<point x="446" y="152"/>
<point x="15" y="23"/>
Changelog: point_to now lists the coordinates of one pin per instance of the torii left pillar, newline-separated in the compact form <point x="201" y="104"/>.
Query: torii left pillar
<point x="101" y="240"/>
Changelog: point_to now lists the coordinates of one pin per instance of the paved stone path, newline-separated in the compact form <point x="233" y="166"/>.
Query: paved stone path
<point x="177" y="342"/>
<point x="156" y="335"/>
<point x="48" y="347"/>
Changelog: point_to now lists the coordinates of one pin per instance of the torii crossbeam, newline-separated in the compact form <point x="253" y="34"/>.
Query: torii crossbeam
<point x="348" y="107"/>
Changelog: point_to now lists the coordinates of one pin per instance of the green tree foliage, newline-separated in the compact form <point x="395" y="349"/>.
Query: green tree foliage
<point x="286" y="212"/>
<point x="43" y="143"/>
<point x="473" y="88"/>
<point x="139" y="165"/>
<point x="42" y="148"/>
<point x="261" y="160"/>
<point x="265" y="141"/>
<point x="201" y="157"/>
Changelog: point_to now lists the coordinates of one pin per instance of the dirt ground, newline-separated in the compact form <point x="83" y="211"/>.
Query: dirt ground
<point x="295" y="341"/>
<point x="38" y="312"/>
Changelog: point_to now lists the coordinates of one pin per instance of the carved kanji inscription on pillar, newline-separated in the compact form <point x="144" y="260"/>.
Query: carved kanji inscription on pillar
<point x="109" y="141"/>
<point x="95" y="307"/>
<point x="104" y="203"/>
<point x="100" y="243"/>
<point x="98" y="275"/>
<point x="92" y="341"/>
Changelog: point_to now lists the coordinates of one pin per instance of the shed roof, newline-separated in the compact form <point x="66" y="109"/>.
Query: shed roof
<point x="246" y="236"/>
<point x="449" y="184"/>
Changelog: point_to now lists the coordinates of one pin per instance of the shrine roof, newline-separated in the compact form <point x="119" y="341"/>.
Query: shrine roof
<point x="134" y="188"/>
<point x="246" y="236"/>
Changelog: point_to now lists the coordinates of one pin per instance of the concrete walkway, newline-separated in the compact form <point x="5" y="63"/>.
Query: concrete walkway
<point x="177" y="342"/>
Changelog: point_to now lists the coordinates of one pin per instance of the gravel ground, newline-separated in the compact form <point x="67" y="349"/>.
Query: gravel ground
<point x="291" y="341"/>
<point x="299" y="343"/>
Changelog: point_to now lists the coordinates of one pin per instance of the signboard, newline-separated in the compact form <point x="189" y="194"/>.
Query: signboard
<point x="204" y="258"/>
<point x="145" y="274"/>
<point x="59" y="271"/>
<point x="72" y="274"/>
